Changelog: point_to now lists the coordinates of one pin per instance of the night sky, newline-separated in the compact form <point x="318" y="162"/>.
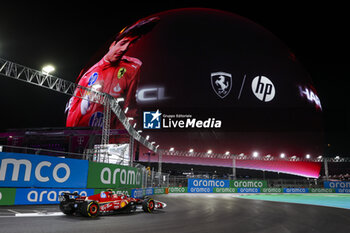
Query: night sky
<point x="66" y="36"/>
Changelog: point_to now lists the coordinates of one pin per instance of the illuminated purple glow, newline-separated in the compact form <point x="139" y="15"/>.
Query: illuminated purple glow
<point x="300" y="168"/>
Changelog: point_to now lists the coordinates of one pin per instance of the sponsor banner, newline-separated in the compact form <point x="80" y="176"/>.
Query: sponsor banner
<point x="271" y="190"/>
<point x="102" y="175"/>
<point x="29" y="196"/>
<point x="206" y="183"/>
<point x="321" y="190"/>
<point x="159" y="191"/>
<point x="248" y="190"/>
<point x="248" y="183"/>
<point x="342" y="190"/>
<point x="118" y="191"/>
<point x="7" y="196"/>
<point x="139" y="193"/>
<point x="26" y="170"/>
<point x="178" y="189"/>
<point x="225" y="190"/>
<point x="295" y="190"/>
<point x="337" y="184"/>
<point x="149" y="191"/>
<point x="200" y="189"/>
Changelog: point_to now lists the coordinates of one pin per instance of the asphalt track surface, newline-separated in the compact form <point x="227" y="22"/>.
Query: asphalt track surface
<point x="188" y="213"/>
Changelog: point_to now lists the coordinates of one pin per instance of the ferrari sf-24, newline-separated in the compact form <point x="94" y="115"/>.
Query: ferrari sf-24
<point x="105" y="203"/>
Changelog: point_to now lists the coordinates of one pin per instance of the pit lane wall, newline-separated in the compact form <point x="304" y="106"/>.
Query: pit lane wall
<point x="36" y="179"/>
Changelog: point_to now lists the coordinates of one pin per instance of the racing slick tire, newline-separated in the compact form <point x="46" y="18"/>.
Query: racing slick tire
<point x="66" y="208"/>
<point x="90" y="209"/>
<point x="148" y="205"/>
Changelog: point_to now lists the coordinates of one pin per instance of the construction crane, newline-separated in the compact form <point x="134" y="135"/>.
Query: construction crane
<point x="45" y="80"/>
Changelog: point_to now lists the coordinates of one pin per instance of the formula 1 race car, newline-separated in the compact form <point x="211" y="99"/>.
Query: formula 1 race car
<point x="105" y="203"/>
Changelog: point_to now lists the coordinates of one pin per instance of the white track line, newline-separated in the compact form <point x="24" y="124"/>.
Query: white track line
<point x="40" y="214"/>
<point x="13" y="211"/>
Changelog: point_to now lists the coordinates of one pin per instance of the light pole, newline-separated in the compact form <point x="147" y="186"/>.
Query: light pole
<point x="326" y="168"/>
<point x="233" y="167"/>
<point x="159" y="168"/>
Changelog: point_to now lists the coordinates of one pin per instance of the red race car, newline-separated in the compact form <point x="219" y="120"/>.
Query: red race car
<point x="105" y="203"/>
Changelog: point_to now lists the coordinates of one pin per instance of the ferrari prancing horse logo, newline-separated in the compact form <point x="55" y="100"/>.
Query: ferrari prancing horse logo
<point x="121" y="72"/>
<point x="221" y="83"/>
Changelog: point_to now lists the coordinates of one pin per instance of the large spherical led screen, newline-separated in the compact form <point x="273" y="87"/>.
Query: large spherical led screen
<point x="210" y="80"/>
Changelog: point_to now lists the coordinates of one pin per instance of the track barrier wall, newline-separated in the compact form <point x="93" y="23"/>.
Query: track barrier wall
<point x="102" y="175"/>
<point x="35" y="179"/>
<point x="255" y="186"/>
<point x="26" y="170"/>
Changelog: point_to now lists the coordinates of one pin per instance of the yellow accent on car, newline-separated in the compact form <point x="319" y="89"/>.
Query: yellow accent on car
<point x="123" y="204"/>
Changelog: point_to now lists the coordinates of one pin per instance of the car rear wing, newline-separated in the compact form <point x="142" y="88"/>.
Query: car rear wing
<point x="67" y="196"/>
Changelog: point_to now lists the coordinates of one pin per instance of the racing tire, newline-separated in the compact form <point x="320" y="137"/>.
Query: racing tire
<point x="66" y="208"/>
<point x="148" y="205"/>
<point x="90" y="209"/>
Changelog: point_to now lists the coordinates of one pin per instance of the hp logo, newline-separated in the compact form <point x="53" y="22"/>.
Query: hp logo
<point x="263" y="88"/>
